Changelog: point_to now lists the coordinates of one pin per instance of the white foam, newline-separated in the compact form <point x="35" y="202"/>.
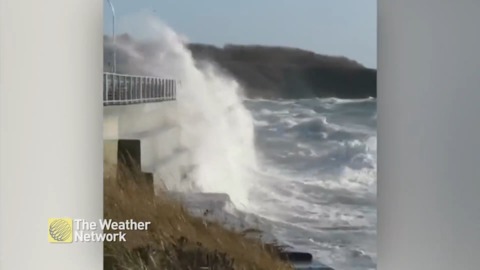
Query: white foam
<point x="215" y="128"/>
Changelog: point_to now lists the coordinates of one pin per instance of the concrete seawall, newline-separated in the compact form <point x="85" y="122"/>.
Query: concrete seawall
<point x="156" y="127"/>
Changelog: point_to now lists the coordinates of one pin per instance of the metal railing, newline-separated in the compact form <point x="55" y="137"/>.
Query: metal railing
<point x="121" y="89"/>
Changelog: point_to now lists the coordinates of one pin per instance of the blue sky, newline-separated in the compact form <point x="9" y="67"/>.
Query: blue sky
<point x="334" y="27"/>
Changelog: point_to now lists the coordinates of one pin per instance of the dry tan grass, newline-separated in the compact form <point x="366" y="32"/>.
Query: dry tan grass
<point x="126" y="197"/>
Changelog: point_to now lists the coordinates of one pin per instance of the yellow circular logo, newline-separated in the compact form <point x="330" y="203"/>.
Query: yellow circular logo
<point x="60" y="230"/>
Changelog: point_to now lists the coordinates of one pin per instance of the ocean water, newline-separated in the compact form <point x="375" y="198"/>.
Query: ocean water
<point x="304" y="169"/>
<point x="317" y="177"/>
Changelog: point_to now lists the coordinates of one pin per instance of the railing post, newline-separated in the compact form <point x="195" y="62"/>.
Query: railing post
<point x="165" y="95"/>
<point x="167" y="88"/>
<point x="130" y="87"/>
<point x="130" y="90"/>
<point x="105" y="90"/>
<point x="175" y="91"/>
<point x="117" y="88"/>
<point x="154" y="82"/>
<point x="157" y="89"/>
<point x="152" y="88"/>
<point x="147" y="83"/>
<point x="162" y="90"/>
<point x="135" y="86"/>
<point x="149" y="88"/>
<point x="125" y="92"/>
<point x="127" y="89"/>
<point x="141" y="89"/>
<point x="146" y="89"/>
<point x="114" y="88"/>
<point x="121" y="88"/>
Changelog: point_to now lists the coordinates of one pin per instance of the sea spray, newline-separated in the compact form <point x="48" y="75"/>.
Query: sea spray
<point x="216" y="129"/>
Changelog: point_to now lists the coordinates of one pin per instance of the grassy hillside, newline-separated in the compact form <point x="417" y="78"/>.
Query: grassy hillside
<point x="176" y="239"/>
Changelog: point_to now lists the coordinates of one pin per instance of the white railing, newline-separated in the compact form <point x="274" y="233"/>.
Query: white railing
<point x="121" y="89"/>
